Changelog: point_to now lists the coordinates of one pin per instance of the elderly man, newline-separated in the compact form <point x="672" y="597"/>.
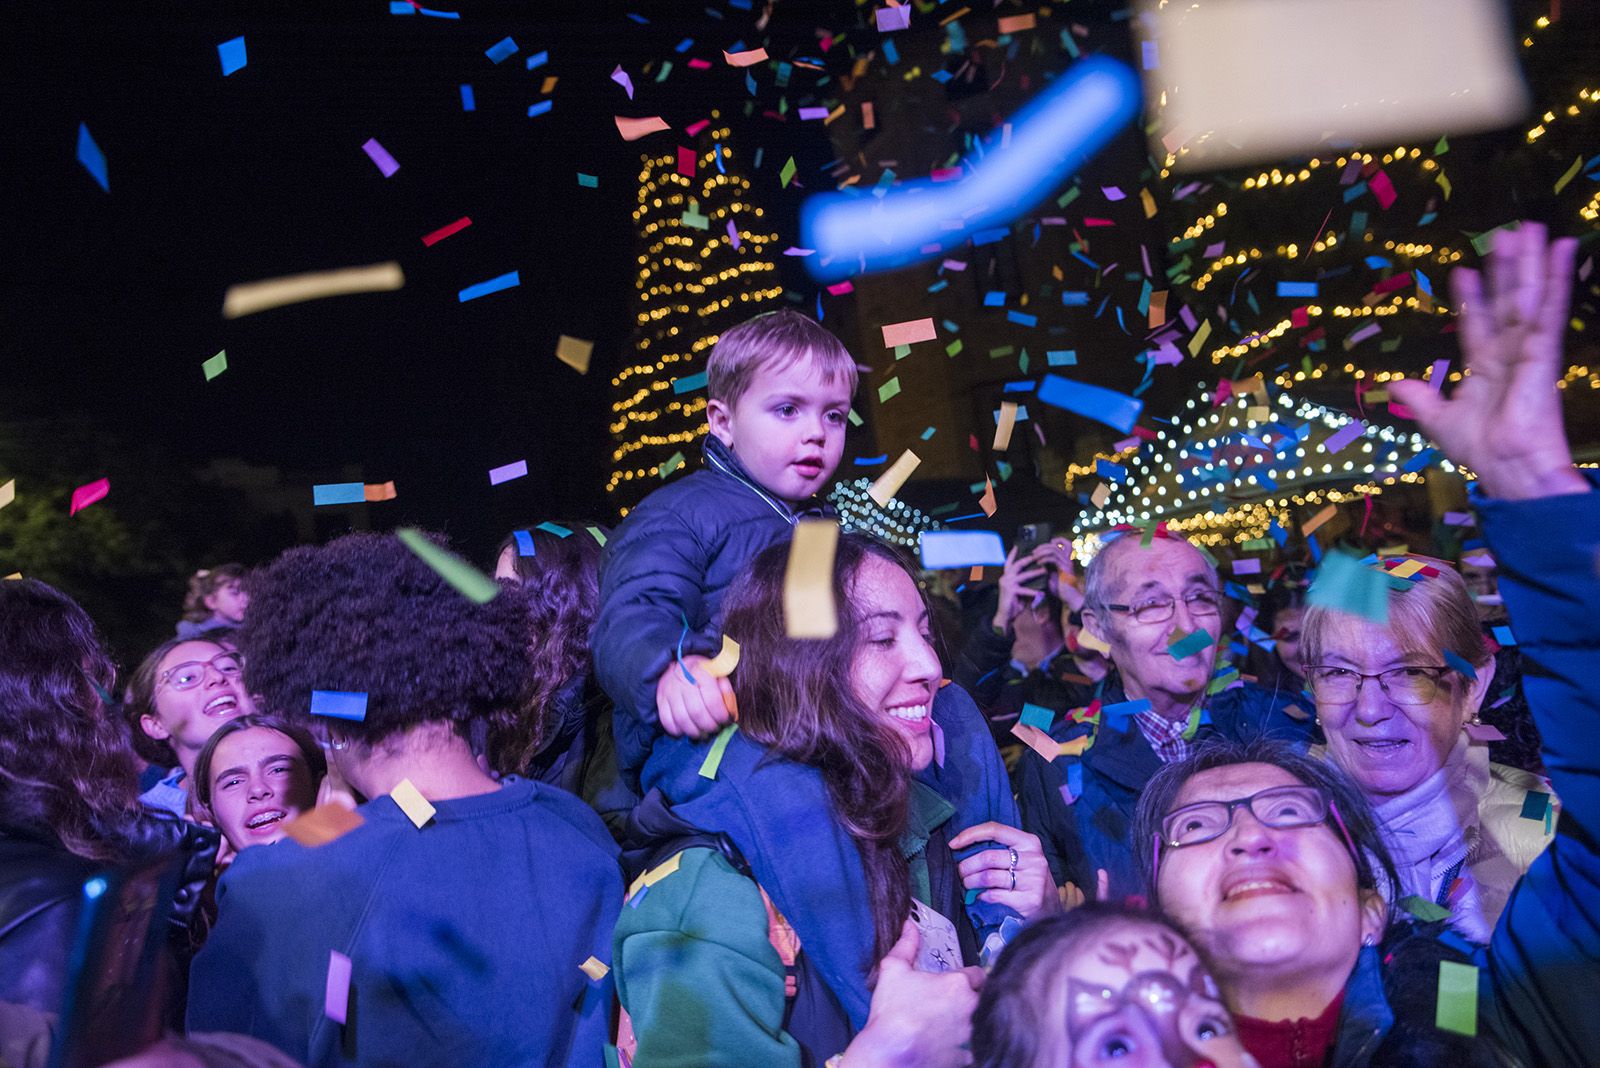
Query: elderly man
<point x="1158" y="607"/>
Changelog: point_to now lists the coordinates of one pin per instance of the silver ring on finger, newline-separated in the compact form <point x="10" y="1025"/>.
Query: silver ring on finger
<point x="1013" y="857"/>
<point x="1013" y="878"/>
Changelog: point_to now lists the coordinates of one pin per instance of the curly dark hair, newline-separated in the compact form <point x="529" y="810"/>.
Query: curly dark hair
<point x="560" y="581"/>
<point x="66" y="772"/>
<point x="1375" y="869"/>
<point x="364" y="613"/>
<point x="795" y="697"/>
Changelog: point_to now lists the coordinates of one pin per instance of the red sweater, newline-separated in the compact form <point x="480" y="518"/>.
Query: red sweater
<point x="1298" y="1043"/>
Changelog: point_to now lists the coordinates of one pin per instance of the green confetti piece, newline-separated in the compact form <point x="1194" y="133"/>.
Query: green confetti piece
<point x="954" y="348"/>
<point x="1037" y="716"/>
<point x="671" y="464"/>
<point x="1344" y="585"/>
<point x="1458" y="998"/>
<point x="1423" y="909"/>
<point x="889" y="389"/>
<point x="855" y="418"/>
<point x="1189" y="644"/>
<point x="902" y="351"/>
<point x="786" y="175"/>
<point x="1192" y="728"/>
<point x="555" y="528"/>
<point x="468" y="581"/>
<point x="597" y="534"/>
<point x="216" y="365"/>
<point x="713" y="761"/>
<point x="1442" y="147"/>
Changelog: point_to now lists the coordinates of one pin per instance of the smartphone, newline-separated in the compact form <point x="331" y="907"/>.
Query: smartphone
<point x="1029" y="537"/>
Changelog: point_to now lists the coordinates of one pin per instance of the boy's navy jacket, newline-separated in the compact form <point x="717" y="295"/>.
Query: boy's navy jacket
<point x="669" y="565"/>
<point x="465" y="937"/>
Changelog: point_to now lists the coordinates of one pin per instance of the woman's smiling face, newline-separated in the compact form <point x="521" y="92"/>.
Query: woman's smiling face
<point x="259" y="782"/>
<point x="199" y="686"/>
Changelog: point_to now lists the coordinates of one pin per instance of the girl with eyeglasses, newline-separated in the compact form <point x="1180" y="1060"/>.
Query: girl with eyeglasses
<point x="1273" y="864"/>
<point x="180" y="694"/>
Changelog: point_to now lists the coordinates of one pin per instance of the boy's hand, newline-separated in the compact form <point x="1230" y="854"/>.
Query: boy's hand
<point x="695" y="709"/>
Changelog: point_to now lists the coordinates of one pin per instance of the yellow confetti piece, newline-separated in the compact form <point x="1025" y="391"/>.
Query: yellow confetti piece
<point x="1258" y="413"/>
<point x="1003" y="428"/>
<point x="574" y="352"/>
<point x="889" y="483"/>
<point x="548" y="85"/>
<point x="1407" y="569"/>
<point x="1076" y="746"/>
<point x="8" y="493"/>
<point x="722" y="665"/>
<point x="1149" y="203"/>
<point x="1317" y="520"/>
<point x="595" y="969"/>
<point x="247" y="298"/>
<point x="412" y="803"/>
<point x="1199" y="339"/>
<point x="808" y="608"/>
<point x="1089" y="641"/>
<point x="662" y="870"/>
<point x="1572" y="172"/>
<point x="1444" y="183"/>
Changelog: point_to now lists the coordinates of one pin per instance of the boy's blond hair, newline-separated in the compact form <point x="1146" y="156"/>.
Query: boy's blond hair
<point x="777" y="340"/>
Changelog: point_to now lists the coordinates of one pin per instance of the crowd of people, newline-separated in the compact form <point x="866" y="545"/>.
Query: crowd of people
<point x="613" y="810"/>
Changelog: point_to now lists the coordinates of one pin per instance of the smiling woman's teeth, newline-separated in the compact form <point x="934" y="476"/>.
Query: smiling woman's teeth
<point x="909" y="712"/>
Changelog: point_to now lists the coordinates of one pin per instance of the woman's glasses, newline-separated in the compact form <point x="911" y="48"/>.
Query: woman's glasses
<point x="190" y="673"/>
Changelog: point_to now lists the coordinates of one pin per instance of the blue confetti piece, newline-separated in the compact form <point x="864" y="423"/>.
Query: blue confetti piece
<point x="556" y="529"/>
<point x="928" y="433"/>
<point x="1297" y="289"/>
<point x="688" y="383"/>
<point x="469" y="102"/>
<point x="338" y="493"/>
<point x="994" y="299"/>
<point x="961" y="548"/>
<point x="501" y="51"/>
<point x="1459" y="665"/>
<point x="1110" y="714"/>
<point x="540" y="108"/>
<point x="1103" y="405"/>
<point x="1423" y="459"/>
<point x="891" y="54"/>
<point x="718" y="153"/>
<point x="1022" y="319"/>
<point x="1535" y="805"/>
<point x="1074" y="299"/>
<point x="588" y="181"/>
<point x="1074" y="783"/>
<point x="1037" y="716"/>
<point x="93" y="160"/>
<point x="494" y="285"/>
<point x="870" y="461"/>
<point x="1503" y="636"/>
<point x="1061" y="357"/>
<point x="684" y="45"/>
<point x="232" y="55"/>
<point x="524" y="543"/>
<point x="1110" y="472"/>
<point x="538" y="59"/>
<point x="400" y="7"/>
<point x="339" y="704"/>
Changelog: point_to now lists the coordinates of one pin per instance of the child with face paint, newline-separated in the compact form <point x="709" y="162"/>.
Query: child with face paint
<point x="1101" y="985"/>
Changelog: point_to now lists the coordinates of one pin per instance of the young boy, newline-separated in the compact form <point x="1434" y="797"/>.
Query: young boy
<point x="779" y="389"/>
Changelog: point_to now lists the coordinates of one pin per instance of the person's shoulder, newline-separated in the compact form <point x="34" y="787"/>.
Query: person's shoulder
<point x="1512" y="813"/>
<point x="550" y="809"/>
<point x="1247" y="711"/>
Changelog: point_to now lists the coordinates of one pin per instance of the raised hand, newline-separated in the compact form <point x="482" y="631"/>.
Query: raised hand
<point x="921" y="1019"/>
<point x="1015" y="874"/>
<point x="1014" y="592"/>
<point x="1504" y="419"/>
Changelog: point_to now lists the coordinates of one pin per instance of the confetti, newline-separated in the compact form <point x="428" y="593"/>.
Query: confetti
<point x="509" y="280"/>
<point x="215" y="365"/>
<point x="1003" y="428"/>
<point x="888" y="484"/>
<point x="380" y="157"/>
<point x="339" y="704"/>
<point x="891" y="388"/>
<point x="232" y="55"/>
<point x="338" y="493"/>
<point x="445" y="231"/>
<point x="1094" y="402"/>
<point x="466" y="579"/>
<point x="723" y="664"/>
<point x="909" y="333"/>
<point x="247" y="298"/>
<point x="412" y="803"/>
<point x="501" y="50"/>
<point x="893" y="18"/>
<point x="1343" y="436"/>
<point x="1189" y="644"/>
<point x="745" y="59"/>
<point x="595" y="969"/>
<point x="808" y="606"/>
<point x="524" y="542"/>
<point x="383" y="491"/>
<point x="574" y="352"/>
<point x="93" y="160"/>
<point x="507" y="472"/>
<point x="713" y="761"/>
<point x="1344" y="585"/>
<point x="943" y="549"/>
<point x="88" y="494"/>
<point x="633" y="129"/>
<point x="620" y="76"/>
<point x="336" y="998"/>
<point x="8" y="492"/>
<point x="1457" y="1008"/>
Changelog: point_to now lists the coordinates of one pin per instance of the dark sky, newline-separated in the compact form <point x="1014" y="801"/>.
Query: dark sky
<point x="111" y="301"/>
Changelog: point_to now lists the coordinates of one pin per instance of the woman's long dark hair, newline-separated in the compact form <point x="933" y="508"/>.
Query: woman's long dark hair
<point x="560" y="581"/>
<point x="66" y="772"/>
<point x="795" y="697"/>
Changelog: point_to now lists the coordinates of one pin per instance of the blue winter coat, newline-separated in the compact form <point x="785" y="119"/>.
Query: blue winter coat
<point x="670" y="563"/>
<point x="1539" y="977"/>
<point x="1094" y="832"/>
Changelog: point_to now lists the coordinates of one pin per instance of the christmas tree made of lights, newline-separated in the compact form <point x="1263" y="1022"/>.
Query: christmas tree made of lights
<point x="704" y="266"/>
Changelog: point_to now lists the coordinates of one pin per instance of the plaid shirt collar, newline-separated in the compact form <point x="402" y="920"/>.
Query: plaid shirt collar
<point x="1164" y="735"/>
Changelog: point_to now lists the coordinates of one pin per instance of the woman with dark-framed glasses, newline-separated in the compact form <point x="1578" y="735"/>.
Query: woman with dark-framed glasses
<point x="1399" y="704"/>
<point x="1288" y="900"/>
<point x="181" y="693"/>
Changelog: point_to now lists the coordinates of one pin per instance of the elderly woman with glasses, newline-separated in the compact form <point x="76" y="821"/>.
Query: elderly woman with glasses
<point x="1398" y="702"/>
<point x="182" y="692"/>
<point x="1273" y="864"/>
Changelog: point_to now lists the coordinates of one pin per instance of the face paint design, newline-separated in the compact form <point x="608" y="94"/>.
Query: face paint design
<point x="1160" y="1018"/>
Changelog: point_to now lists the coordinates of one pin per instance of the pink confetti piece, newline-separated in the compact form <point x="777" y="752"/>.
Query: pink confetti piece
<point x="686" y="159"/>
<point x="1382" y="188"/>
<point x="379" y="155"/>
<point x="694" y="131"/>
<point x="839" y="289"/>
<point x="336" y="998"/>
<point x="620" y="76"/>
<point x="633" y="129"/>
<point x="746" y="59"/>
<point x="699" y="64"/>
<point x="84" y="496"/>
<point x="908" y="333"/>
<point x="1344" y="436"/>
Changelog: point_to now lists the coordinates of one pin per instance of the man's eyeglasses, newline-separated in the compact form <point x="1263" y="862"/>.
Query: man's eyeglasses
<point x="1200" y="602"/>
<point x="190" y="673"/>
<point x="1402" y="685"/>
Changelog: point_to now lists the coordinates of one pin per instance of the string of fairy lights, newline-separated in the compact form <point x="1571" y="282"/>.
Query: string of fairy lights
<point x="704" y="265"/>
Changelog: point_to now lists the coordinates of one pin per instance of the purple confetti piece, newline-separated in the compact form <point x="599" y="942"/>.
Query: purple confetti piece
<point x="1344" y="436"/>
<point x="380" y="156"/>
<point x="336" y="1000"/>
<point x="620" y="76"/>
<point x="507" y="472"/>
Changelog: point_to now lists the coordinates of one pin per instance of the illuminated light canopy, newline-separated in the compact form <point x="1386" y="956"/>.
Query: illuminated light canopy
<point x="898" y="523"/>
